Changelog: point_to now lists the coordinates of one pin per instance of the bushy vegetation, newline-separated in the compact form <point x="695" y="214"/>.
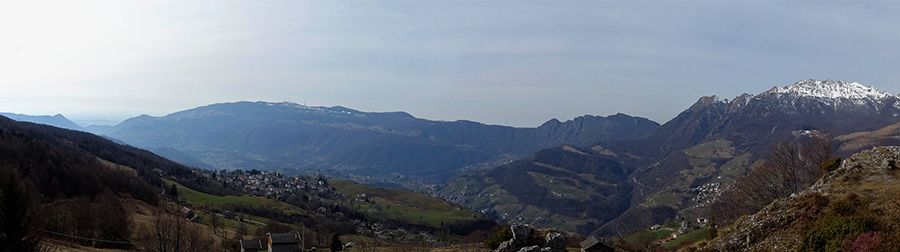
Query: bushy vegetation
<point x="500" y="235"/>
<point x="847" y="223"/>
<point x="831" y="164"/>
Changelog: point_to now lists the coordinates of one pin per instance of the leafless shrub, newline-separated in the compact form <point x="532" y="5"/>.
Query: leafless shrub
<point x="171" y="233"/>
<point x="790" y="167"/>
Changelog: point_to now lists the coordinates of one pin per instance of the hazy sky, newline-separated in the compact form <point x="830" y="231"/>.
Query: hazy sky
<point x="515" y="63"/>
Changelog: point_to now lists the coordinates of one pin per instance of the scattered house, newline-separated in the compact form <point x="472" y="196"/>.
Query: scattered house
<point x="189" y="214"/>
<point x="685" y="226"/>
<point x="591" y="244"/>
<point x="702" y="221"/>
<point x="251" y="245"/>
<point x="284" y="242"/>
<point x="196" y="219"/>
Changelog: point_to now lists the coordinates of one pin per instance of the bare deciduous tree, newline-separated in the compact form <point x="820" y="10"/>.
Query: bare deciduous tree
<point x="214" y="222"/>
<point x="115" y="225"/>
<point x="241" y="230"/>
<point x="790" y="167"/>
<point x="171" y="233"/>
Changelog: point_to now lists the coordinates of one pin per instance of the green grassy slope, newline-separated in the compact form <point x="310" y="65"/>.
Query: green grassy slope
<point x="218" y="202"/>
<point x="403" y="205"/>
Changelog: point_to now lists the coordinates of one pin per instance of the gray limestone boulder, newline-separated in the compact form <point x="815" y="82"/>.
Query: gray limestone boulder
<point x="520" y="234"/>
<point x="555" y="240"/>
<point x="534" y="248"/>
<point x="503" y="247"/>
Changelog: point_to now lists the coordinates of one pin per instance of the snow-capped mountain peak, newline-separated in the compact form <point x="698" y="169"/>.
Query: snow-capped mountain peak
<point x="831" y="89"/>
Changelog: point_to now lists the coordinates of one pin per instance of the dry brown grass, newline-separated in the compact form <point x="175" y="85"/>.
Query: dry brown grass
<point x="64" y="246"/>
<point x="866" y="139"/>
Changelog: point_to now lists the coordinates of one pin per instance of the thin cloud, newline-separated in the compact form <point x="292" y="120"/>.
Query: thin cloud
<point x="447" y="60"/>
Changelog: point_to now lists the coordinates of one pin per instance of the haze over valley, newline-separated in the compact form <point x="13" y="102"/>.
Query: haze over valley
<point x="505" y="126"/>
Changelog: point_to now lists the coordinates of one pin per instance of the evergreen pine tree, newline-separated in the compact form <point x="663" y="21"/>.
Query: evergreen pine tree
<point x="173" y="191"/>
<point x="336" y="244"/>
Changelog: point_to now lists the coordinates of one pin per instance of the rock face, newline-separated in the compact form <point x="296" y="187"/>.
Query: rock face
<point x="870" y="165"/>
<point x="504" y="246"/>
<point x="520" y="234"/>
<point x="524" y="240"/>
<point x="556" y="242"/>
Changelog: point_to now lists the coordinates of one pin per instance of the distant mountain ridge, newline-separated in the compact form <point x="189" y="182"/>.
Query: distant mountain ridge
<point x="292" y="137"/>
<point x="710" y="143"/>
<point x="57" y="120"/>
<point x="740" y="131"/>
<point x="834" y="106"/>
<point x="831" y="89"/>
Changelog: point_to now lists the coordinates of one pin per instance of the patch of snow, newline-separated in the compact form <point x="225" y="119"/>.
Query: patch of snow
<point x="831" y="89"/>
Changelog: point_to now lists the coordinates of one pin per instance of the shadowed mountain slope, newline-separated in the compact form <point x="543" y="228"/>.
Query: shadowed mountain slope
<point x="715" y="141"/>
<point x="575" y="189"/>
<point x="291" y="138"/>
<point x="682" y="165"/>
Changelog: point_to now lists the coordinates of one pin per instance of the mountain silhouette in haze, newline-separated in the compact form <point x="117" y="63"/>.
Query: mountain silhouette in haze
<point x="291" y="138"/>
<point x="57" y="120"/>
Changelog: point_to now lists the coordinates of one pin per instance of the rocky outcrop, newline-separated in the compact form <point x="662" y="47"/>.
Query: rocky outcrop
<point x="526" y="239"/>
<point x="534" y="248"/>
<point x="556" y="242"/>
<point x="872" y="175"/>
<point x="520" y="235"/>
<point x="872" y="165"/>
